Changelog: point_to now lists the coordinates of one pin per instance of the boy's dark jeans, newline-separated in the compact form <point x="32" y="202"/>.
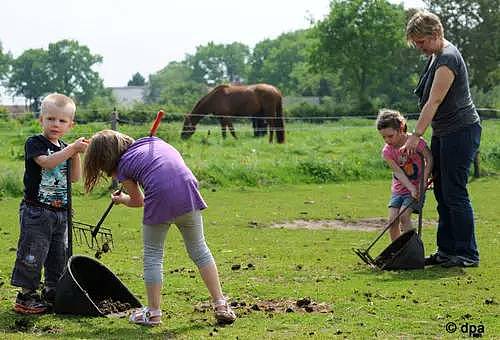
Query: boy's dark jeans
<point x="453" y="155"/>
<point x="42" y="243"/>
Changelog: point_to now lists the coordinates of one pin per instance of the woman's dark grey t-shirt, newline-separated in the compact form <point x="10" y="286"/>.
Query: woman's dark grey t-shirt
<point x="457" y="109"/>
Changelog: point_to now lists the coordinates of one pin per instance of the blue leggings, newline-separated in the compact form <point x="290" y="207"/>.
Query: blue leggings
<point x="191" y="227"/>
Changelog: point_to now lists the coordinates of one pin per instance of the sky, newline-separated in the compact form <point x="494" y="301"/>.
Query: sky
<point x="145" y="35"/>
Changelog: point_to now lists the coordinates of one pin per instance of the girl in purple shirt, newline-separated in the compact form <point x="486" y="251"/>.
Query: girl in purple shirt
<point x="406" y="169"/>
<point x="169" y="195"/>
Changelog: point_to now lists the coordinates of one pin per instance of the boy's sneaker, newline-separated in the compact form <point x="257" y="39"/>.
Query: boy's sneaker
<point x="30" y="303"/>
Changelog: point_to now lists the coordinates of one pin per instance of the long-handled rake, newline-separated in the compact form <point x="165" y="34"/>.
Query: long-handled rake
<point x="97" y="237"/>
<point x="406" y="252"/>
<point x="364" y="253"/>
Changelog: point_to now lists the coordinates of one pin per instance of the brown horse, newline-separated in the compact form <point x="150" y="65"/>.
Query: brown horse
<point x="263" y="102"/>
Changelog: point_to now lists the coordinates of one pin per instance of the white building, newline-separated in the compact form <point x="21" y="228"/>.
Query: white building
<point x="128" y="95"/>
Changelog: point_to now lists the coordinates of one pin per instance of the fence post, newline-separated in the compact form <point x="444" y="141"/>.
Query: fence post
<point x="114" y="126"/>
<point x="114" y="120"/>
<point x="477" y="171"/>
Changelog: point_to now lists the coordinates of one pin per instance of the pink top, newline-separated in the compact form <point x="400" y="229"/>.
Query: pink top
<point x="411" y="166"/>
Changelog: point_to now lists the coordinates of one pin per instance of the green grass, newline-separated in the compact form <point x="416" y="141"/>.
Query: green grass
<point x="289" y="264"/>
<point x="342" y="151"/>
<point x="248" y="185"/>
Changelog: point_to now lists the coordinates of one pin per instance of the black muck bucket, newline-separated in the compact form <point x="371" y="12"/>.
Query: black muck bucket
<point x="87" y="287"/>
<point x="405" y="252"/>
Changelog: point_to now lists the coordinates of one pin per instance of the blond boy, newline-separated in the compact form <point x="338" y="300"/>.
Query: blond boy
<point x="43" y="210"/>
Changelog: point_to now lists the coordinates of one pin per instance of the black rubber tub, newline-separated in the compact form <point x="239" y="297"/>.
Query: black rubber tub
<point x="405" y="252"/>
<point x="85" y="284"/>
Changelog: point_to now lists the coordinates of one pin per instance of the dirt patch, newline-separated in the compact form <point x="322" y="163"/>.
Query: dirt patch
<point x="304" y="305"/>
<point x="366" y="224"/>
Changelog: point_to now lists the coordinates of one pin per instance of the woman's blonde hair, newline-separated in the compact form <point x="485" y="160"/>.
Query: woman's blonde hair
<point x="102" y="156"/>
<point x="391" y="119"/>
<point x="423" y="24"/>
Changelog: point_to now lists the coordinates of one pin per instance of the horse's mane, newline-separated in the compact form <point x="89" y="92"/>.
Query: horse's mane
<point x="204" y="98"/>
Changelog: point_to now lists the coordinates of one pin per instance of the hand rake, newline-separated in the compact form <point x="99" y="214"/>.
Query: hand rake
<point x="97" y="237"/>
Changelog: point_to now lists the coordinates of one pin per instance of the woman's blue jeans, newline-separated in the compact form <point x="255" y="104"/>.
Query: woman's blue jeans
<point x="453" y="155"/>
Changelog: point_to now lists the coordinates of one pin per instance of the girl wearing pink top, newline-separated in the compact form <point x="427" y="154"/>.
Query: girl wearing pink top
<point x="406" y="169"/>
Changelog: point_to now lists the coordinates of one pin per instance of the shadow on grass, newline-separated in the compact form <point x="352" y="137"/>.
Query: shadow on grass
<point x="429" y="273"/>
<point x="80" y="327"/>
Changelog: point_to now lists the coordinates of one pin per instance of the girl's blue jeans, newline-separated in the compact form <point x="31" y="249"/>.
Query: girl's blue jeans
<point x="453" y="155"/>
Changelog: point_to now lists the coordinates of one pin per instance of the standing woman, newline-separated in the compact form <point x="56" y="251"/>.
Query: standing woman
<point x="445" y="103"/>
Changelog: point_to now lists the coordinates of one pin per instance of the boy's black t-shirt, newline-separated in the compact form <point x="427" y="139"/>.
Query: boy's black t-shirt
<point x="45" y="186"/>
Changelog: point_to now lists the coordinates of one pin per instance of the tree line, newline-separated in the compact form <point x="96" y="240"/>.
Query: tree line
<point x="356" y="59"/>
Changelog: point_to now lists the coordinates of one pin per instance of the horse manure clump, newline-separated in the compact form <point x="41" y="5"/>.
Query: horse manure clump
<point x="109" y="306"/>
<point x="105" y="247"/>
<point x="103" y="250"/>
<point x="304" y="305"/>
<point x="303" y="302"/>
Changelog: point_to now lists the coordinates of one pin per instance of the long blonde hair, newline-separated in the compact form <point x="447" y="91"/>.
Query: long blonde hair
<point x="102" y="156"/>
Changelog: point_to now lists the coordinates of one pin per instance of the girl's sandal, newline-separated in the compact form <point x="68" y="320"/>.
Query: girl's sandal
<point x="146" y="317"/>
<point x="223" y="312"/>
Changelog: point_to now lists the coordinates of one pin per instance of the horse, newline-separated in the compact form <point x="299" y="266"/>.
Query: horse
<point x="263" y="102"/>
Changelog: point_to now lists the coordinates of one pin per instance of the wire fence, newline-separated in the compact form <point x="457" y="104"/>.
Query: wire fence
<point x="493" y="114"/>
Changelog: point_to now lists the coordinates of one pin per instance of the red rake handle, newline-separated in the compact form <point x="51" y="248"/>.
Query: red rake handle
<point x="156" y="123"/>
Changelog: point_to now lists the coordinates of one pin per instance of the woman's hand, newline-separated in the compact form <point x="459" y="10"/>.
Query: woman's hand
<point x="410" y="146"/>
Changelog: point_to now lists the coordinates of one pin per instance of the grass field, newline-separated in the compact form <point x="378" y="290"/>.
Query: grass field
<point x="286" y="264"/>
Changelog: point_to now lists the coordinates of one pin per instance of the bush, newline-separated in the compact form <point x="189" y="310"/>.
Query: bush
<point x="10" y="184"/>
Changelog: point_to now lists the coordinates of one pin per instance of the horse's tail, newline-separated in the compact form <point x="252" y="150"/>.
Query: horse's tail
<point x="280" y="122"/>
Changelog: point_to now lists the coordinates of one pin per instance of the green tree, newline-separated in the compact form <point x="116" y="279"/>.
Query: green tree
<point x="284" y="62"/>
<point x="236" y="57"/>
<point x="363" y="40"/>
<point x="182" y="96"/>
<point x="173" y="86"/>
<point x="469" y="24"/>
<point x="137" y="80"/>
<point x="31" y="76"/>
<point x="5" y="61"/>
<point x="66" y="67"/>
<point x="71" y="70"/>
<point x="71" y="67"/>
<point x="218" y="63"/>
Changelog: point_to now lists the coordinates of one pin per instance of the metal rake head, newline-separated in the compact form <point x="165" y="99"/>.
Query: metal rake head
<point x="366" y="257"/>
<point x="102" y="241"/>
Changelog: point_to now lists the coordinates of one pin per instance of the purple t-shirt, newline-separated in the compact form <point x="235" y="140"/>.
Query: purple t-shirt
<point x="411" y="166"/>
<point x="170" y="188"/>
